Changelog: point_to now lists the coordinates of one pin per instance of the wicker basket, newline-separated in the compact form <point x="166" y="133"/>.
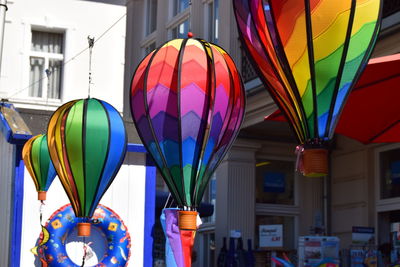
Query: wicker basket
<point x="187" y="220"/>
<point x="315" y="162"/>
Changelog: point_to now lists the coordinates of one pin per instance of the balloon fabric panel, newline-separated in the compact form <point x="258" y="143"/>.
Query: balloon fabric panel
<point x="250" y="37"/>
<point x="116" y="144"/>
<point x="182" y="101"/>
<point x="95" y="148"/>
<point x="193" y="114"/>
<point x="73" y="132"/>
<point x="317" y="48"/>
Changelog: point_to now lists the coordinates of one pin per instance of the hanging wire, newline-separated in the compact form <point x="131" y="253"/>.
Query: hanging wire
<point x="48" y="73"/>
<point x="166" y="202"/>
<point x="84" y="252"/>
<point x="70" y="59"/>
<point x="41" y="211"/>
<point x="91" y="44"/>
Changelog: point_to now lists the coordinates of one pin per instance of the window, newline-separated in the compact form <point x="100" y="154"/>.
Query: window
<point x="275" y="182"/>
<point x="148" y="49"/>
<point x="46" y="64"/>
<point x="181" y="30"/>
<point x="212" y="21"/>
<point x="389" y="173"/>
<point x="179" y="6"/>
<point x="151" y="10"/>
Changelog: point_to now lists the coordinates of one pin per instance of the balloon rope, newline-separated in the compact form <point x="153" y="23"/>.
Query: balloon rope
<point x="166" y="203"/>
<point x="299" y="152"/>
<point x="91" y="44"/>
<point x="41" y="211"/>
<point x="84" y="252"/>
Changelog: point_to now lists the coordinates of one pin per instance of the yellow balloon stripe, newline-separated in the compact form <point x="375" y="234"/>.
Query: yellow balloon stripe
<point x="174" y="43"/>
<point x="56" y="151"/>
<point x="331" y="39"/>
<point x="26" y="156"/>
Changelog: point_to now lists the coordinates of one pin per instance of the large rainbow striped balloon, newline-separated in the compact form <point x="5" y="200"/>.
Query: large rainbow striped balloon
<point x="87" y="144"/>
<point x="187" y="102"/>
<point x="38" y="163"/>
<point x="309" y="54"/>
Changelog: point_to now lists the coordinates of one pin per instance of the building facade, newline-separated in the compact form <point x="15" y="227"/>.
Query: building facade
<point x="357" y="191"/>
<point x="45" y="64"/>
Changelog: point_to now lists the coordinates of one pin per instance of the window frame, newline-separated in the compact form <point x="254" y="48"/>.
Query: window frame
<point x="291" y="209"/>
<point x="147" y="29"/>
<point x="385" y="204"/>
<point x="210" y="31"/>
<point x="175" y="20"/>
<point x="47" y="57"/>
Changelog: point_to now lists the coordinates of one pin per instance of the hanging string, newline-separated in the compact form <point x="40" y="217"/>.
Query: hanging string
<point x="41" y="211"/>
<point x="166" y="203"/>
<point x="84" y="252"/>
<point x="48" y="73"/>
<point x="91" y="44"/>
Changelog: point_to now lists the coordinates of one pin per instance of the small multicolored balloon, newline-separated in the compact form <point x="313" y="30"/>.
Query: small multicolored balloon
<point x="38" y="163"/>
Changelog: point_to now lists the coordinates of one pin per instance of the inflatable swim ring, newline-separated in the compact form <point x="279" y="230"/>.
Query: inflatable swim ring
<point x="63" y="221"/>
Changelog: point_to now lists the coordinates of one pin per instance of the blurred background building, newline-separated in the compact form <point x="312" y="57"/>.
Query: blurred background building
<point x="45" y="63"/>
<point x="350" y="196"/>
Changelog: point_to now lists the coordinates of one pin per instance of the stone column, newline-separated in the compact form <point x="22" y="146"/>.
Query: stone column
<point x="235" y="203"/>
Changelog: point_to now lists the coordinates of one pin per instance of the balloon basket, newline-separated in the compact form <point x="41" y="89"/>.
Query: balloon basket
<point x="41" y="195"/>
<point x="187" y="220"/>
<point x="315" y="162"/>
<point x="83" y="229"/>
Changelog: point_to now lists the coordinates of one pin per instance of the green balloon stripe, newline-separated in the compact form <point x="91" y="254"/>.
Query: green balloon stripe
<point x="326" y="70"/>
<point x="44" y="162"/>
<point x="73" y="135"/>
<point x="96" y="147"/>
<point x="188" y="173"/>
<point x="35" y="157"/>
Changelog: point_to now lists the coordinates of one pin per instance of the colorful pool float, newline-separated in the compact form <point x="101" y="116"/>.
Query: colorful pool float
<point x="63" y="221"/>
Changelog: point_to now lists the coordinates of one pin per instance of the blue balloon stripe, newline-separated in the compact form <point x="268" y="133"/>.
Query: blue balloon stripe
<point x="190" y="148"/>
<point x="117" y="147"/>
<point x="51" y="174"/>
<point x="170" y="150"/>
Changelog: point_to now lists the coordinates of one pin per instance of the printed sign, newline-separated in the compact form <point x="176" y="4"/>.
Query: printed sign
<point x="274" y="182"/>
<point x="363" y="235"/>
<point x="271" y="236"/>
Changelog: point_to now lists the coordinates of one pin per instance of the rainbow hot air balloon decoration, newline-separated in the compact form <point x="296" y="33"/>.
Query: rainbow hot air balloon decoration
<point x="38" y="163"/>
<point x="87" y="144"/>
<point x="187" y="103"/>
<point x="309" y="55"/>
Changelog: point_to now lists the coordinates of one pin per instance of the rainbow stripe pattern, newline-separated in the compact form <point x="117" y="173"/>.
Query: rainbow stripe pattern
<point x="187" y="103"/>
<point x="309" y="55"/>
<point x="87" y="144"/>
<point x="38" y="163"/>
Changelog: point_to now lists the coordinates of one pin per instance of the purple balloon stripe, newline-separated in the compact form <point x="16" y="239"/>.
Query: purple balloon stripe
<point x="137" y="105"/>
<point x="144" y="129"/>
<point x="192" y="126"/>
<point x="165" y="127"/>
<point x="193" y="99"/>
<point x="221" y="101"/>
<point x="216" y="126"/>
<point x="162" y="98"/>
